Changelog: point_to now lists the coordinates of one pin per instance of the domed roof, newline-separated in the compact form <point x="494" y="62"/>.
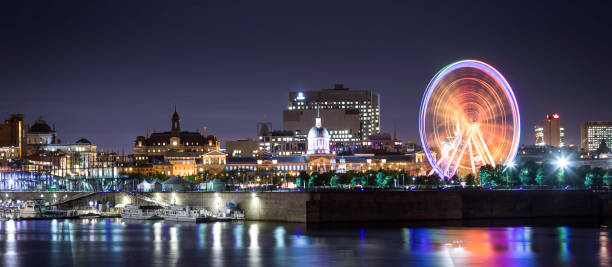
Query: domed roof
<point x="40" y="126"/>
<point x="318" y="139"/>
<point x="83" y="141"/>
<point x="318" y="132"/>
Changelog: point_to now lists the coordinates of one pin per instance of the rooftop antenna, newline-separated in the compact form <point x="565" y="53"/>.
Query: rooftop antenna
<point x="394" y="131"/>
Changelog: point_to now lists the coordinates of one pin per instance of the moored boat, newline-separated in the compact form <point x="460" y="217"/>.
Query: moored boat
<point x="187" y="214"/>
<point x="30" y="209"/>
<point x="142" y="212"/>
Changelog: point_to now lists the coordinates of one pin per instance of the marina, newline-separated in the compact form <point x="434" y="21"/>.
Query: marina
<point x="36" y="209"/>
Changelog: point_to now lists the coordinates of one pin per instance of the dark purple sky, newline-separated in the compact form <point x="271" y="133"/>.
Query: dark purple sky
<point x="107" y="70"/>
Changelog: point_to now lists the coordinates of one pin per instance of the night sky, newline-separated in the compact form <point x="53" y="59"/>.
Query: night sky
<point x="108" y="70"/>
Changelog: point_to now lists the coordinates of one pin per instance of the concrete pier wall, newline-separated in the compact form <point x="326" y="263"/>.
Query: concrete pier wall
<point x="384" y="206"/>
<point x="528" y="204"/>
<point x="370" y="206"/>
<point x="287" y="207"/>
<point x="435" y="205"/>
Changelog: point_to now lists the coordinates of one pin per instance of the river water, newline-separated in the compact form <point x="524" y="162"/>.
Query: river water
<point x="116" y="242"/>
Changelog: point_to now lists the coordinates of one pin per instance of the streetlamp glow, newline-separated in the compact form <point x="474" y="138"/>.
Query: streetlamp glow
<point x="562" y="163"/>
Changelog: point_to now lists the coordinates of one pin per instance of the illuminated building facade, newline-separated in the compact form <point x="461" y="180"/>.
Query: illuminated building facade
<point x="9" y="153"/>
<point x="154" y="147"/>
<point x="279" y="143"/>
<point x="293" y="165"/>
<point x="350" y="115"/>
<point x="212" y="162"/>
<point x="66" y="160"/>
<point x="241" y="148"/>
<point x="593" y="132"/>
<point x="183" y="163"/>
<point x="550" y="132"/>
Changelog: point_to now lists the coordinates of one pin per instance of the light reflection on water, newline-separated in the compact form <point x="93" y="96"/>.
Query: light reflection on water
<point x="100" y="242"/>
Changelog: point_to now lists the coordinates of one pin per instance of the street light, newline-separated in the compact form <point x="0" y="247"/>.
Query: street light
<point x="562" y="163"/>
<point x="510" y="165"/>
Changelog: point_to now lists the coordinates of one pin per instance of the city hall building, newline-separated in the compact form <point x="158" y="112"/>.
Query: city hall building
<point x="153" y="147"/>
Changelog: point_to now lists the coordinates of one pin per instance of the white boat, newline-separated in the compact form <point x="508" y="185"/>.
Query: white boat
<point x="30" y="209"/>
<point x="238" y="215"/>
<point x="88" y="214"/>
<point x="187" y="214"/>
<point x="142" y="212"/>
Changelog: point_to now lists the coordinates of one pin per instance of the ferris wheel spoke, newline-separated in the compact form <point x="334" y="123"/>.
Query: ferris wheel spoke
<point x="465" y="145"/>
<point x="485" y="148"/>
<point x="471" y="155"/>
<point x="456" y="143"/>
<point x="481" y="156"/>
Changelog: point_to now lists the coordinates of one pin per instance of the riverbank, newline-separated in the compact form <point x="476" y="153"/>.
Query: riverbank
<point x="376" y="206"/>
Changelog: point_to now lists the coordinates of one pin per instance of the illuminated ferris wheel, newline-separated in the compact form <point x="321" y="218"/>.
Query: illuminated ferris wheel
<point x="468" y="118"/>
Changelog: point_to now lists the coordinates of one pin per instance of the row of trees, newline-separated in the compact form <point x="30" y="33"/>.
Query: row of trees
<point x="371" y="178"/>
<point x="380" y="179"/>
<point x="526" y="173"/>
<point x="546" y="174"/>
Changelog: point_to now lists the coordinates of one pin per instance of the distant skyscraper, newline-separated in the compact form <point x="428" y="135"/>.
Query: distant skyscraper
<point x="550" y="132"/>
<point x="11" y="131"/>
<point x="592" y="132"/>
<point x="350" y="115"/>
<point x="539" y="135"/>
<point x="12" y="134"/>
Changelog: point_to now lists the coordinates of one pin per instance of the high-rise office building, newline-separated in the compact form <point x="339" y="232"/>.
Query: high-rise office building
<point x="349" y="115"/>
<point x="550" y="132"/>
<point x="12" y="133"/>
<point x="593" y="132"/>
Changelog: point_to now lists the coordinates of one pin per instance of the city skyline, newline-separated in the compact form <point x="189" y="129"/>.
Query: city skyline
<point x="109" y="80"/>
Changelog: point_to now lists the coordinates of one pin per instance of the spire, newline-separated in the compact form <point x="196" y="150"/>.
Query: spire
<point x="318" y="119"/>
<point x="394" y="132"/>
<point x="176" y="122"/>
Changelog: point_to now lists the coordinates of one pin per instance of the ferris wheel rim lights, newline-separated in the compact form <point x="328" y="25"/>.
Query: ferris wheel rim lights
<point x="492" y="72"/>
